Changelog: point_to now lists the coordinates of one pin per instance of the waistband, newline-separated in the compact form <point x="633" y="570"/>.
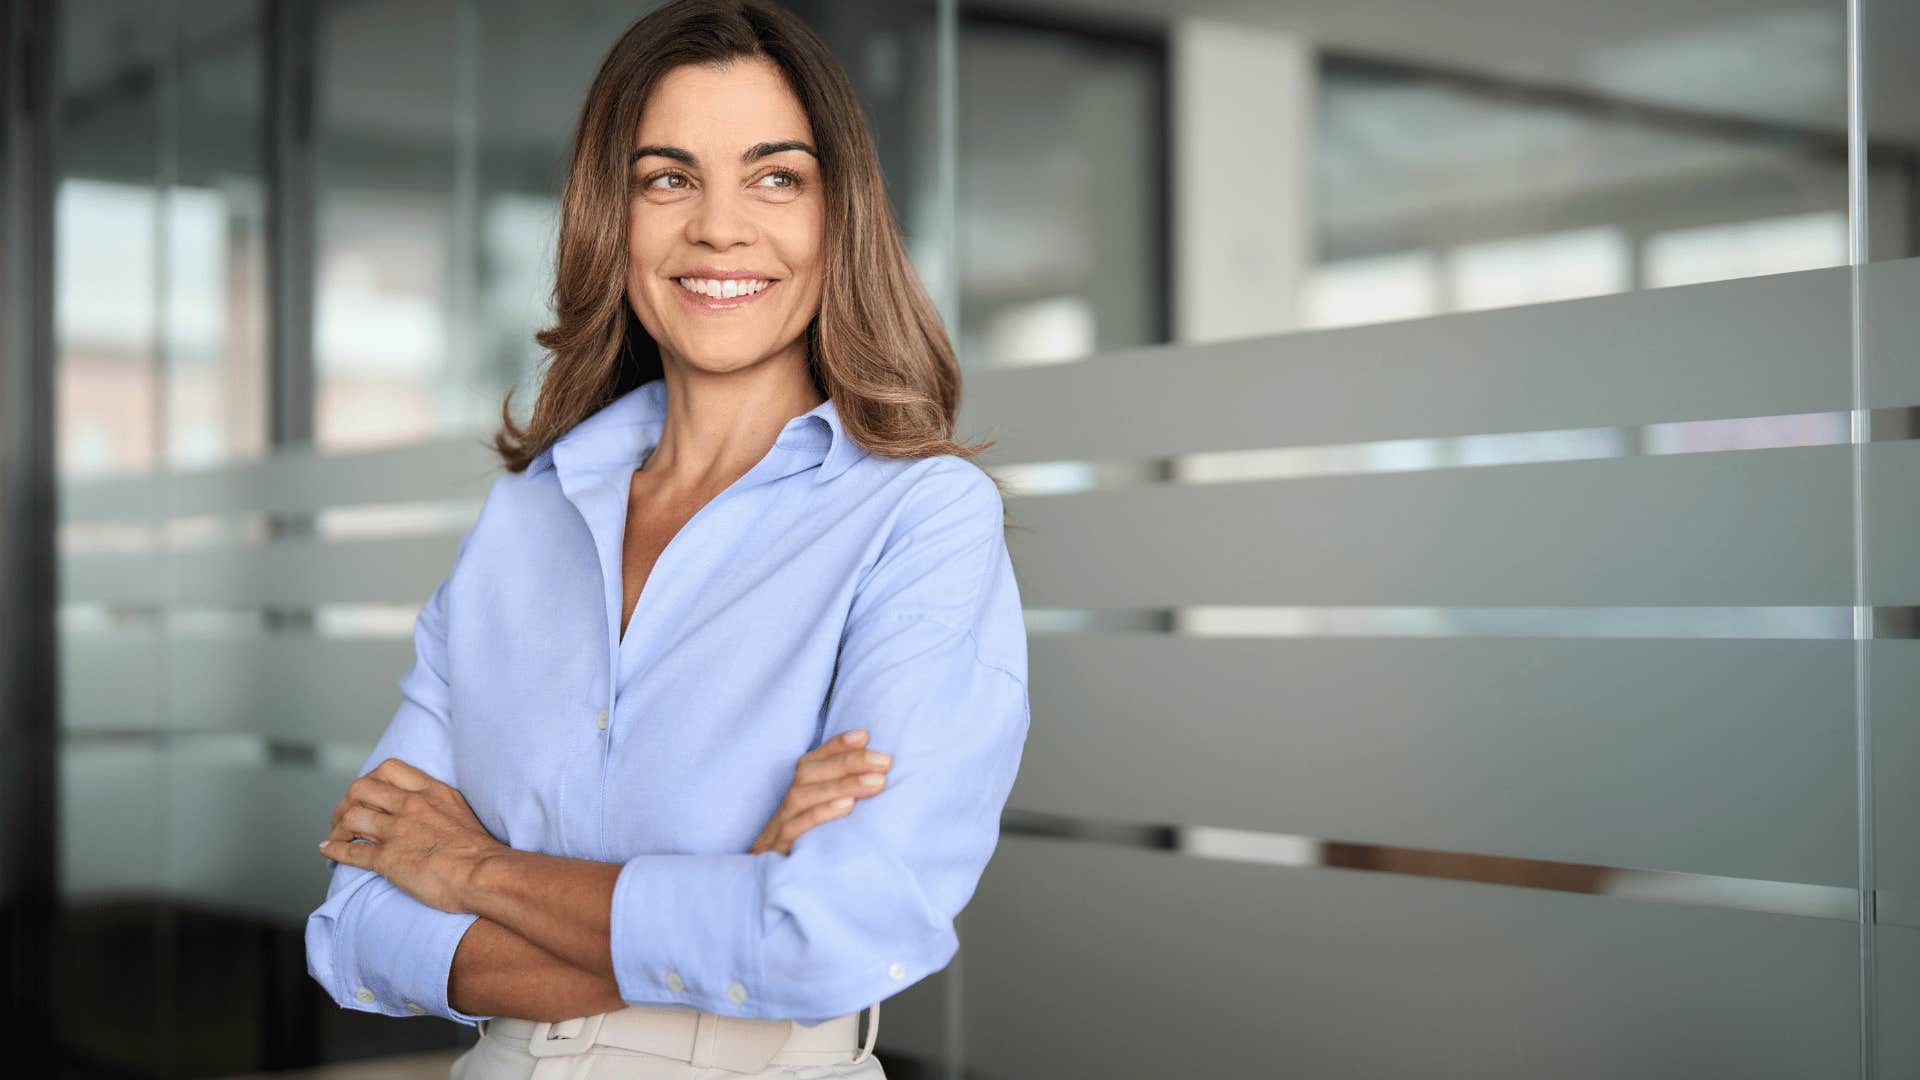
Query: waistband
<point x="734" y="1043"/>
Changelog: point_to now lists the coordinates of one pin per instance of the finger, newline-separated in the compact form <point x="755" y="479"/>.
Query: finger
<point x="844" y="763"/>
<point x="400" y="774"/>
<point x="368" y="822"/>
<point x="378" y="794"/>
<point x="342" y="851"/>
<point x="846" y="740"/>
<point x="801" y="822"/>
<point x="804" y="796"/>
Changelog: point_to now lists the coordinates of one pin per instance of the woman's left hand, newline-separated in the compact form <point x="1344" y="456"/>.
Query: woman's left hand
<point x="425" y="838"/>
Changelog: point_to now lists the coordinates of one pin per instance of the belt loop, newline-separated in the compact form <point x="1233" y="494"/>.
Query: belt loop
<point x="873" y="1032"/>
<point x="706" y="1030"/>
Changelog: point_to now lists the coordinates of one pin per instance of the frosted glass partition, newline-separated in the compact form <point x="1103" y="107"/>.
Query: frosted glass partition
<point x="1890" y="349"/>
<point x="1469" y="695"/>
<point x="231" y="642"/>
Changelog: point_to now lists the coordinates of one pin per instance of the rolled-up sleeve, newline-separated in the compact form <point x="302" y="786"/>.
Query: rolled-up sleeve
<point x="371" y="945"/>
<point x="933" y="665"/>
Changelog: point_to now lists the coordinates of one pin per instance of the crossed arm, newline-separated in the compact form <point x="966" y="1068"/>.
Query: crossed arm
<point x="541" y="946"/>
<point x="496" y="972"/>
<point x="541" y="942"/>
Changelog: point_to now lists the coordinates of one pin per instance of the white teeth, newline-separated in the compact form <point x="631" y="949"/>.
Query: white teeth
<point x="723" y="290"/>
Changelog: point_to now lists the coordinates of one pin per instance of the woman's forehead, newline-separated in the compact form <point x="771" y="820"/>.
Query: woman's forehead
<point x="744" y="103"/>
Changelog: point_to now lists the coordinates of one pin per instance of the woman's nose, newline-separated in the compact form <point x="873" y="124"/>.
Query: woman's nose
<point x="720" y="221"/>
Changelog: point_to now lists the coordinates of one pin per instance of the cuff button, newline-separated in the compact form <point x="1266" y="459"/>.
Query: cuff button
<point x="898" y="971"/>
<point x="414" y="1008"/>
<point x="364" y="994"/>
<point x="736" y="993"/>
<point x="675" y="983"/>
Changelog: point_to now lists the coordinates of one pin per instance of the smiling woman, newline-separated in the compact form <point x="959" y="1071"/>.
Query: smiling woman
<point x="736" y="566"/>
<point x="723" y="142"/>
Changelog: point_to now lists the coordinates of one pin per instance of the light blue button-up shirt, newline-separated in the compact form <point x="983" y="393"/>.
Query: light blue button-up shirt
<point x="827" y="590"/>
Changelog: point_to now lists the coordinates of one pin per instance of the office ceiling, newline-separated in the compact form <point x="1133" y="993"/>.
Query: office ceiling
<point x="1777" y="61"/>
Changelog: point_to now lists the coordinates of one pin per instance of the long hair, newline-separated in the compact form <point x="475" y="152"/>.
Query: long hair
<point x="876" y="347"/>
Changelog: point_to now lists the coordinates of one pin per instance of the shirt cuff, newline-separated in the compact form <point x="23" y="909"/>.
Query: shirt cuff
<point x="685" y="930"/>
<point x="699" y="931"/>
<point x="396" y="954"/>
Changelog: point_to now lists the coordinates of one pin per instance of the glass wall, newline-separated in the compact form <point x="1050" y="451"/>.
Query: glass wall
<point x="1887" y="238"/>
<point x="1452" y="434"/>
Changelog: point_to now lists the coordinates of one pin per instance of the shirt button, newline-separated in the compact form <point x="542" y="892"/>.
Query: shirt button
<point x="898" y="971"/>
<point x="414" y="1008"/>
<point x="675" y="983"/>
<point x="364" y="994"/>
<point x="601" y="720"/>
<point x="736" y="993"/>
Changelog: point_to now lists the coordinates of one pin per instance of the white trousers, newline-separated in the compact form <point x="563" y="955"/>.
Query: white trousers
<point x="503" y="1052"/>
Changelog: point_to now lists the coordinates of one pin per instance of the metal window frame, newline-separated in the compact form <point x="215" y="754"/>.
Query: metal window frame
<point x="29" y="663"/>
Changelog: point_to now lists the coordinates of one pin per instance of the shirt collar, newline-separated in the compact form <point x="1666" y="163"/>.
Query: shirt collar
<point x="619" y="433"/>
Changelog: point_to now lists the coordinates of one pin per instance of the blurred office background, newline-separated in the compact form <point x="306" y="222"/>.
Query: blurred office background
<point x="1467" y="471"/>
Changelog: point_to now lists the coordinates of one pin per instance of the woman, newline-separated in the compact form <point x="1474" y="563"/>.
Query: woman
<point x="735" y="552"/>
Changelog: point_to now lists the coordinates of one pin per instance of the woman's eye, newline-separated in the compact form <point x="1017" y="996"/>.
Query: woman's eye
<point x="787" y="180"/>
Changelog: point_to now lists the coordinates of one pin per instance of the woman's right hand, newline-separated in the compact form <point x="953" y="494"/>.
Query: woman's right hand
<point x="825" y="783"/>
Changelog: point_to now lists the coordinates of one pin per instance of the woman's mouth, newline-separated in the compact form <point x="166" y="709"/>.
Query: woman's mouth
<point x="708" y="294"/>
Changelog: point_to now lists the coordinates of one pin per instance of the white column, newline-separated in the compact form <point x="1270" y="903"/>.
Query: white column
<point x="1242" y="119"/>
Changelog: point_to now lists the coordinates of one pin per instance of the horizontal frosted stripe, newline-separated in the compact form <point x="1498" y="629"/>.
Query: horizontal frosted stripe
<point x="1283" y="849"/>
<point x="1898" y="990"/>
<point x="1893" y="522"/>
<point x="1085" y="960"/>
<point x="1895" y="704"/>
<point x="1459" y="452"/>
<point x="1432" y="743"/>
<point x="294" y="573"/>
<point x="1766" y="346"/>
<point x="1760" y="527"/>
<point x="1891" y="332"/>
<point x="296" y="687"/>
<point x="291" y="482"/>
<point x="112" y="819"/>
<point x="244" y="835"/>
<point x="113" y="681"/>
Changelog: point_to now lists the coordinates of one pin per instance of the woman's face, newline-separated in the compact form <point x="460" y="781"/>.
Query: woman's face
<point x="725" y="199"/>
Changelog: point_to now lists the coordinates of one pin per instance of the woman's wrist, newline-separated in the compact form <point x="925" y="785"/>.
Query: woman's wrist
<point x="496" y="972"/>
<point x="479" y="878"/>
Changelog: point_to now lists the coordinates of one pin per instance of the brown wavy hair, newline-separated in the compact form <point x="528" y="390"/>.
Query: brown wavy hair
<point x="876" y="347"/>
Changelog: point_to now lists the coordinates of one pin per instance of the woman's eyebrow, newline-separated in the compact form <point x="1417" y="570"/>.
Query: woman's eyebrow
<point x="754" y="153"/>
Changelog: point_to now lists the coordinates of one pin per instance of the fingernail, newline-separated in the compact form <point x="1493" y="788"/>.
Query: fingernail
<point x="855" y="738"/>
<point x="872" y="779"/>
<point x="875" y="757"/>
<point x="323" y="845"/>
<point x="842" y="802"/>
